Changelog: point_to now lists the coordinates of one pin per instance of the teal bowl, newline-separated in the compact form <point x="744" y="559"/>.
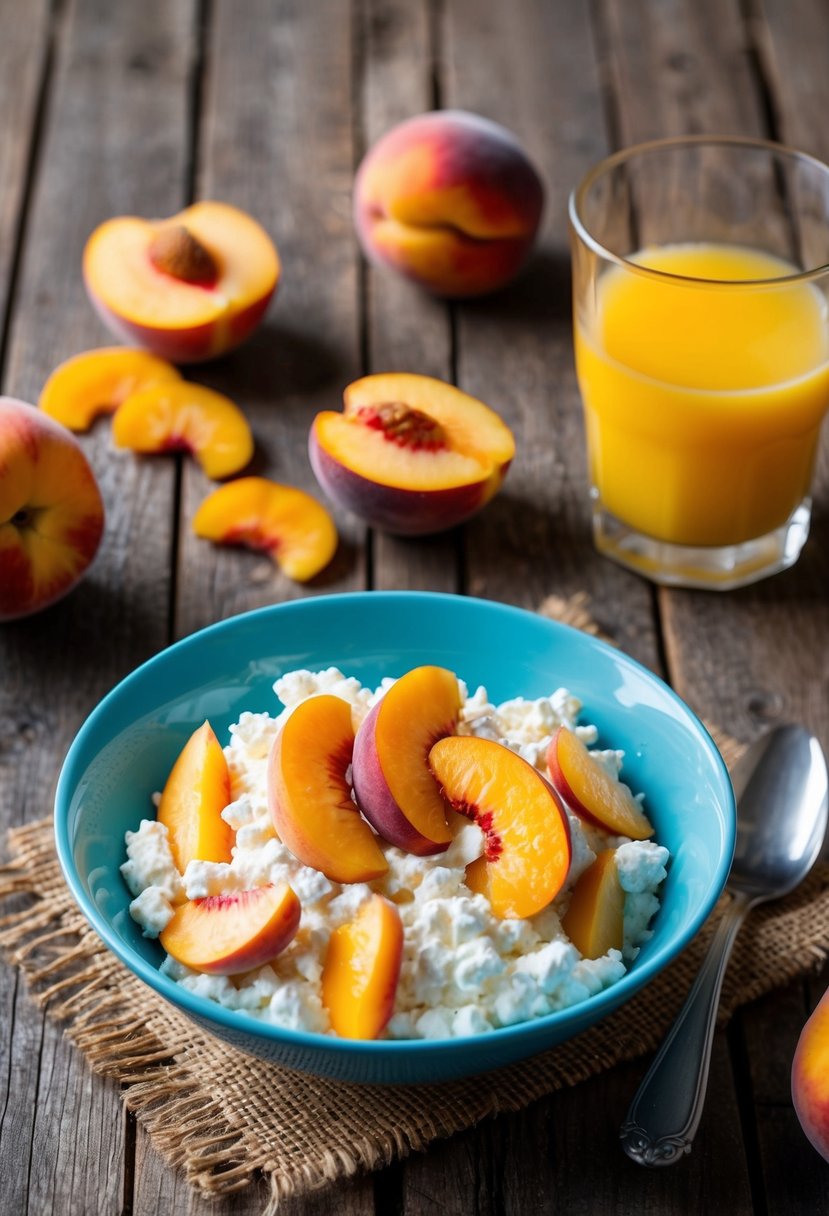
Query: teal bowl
<point x="128" y="744"/>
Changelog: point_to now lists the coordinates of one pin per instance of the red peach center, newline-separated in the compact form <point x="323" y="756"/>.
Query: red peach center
<point x="404" y="425"/>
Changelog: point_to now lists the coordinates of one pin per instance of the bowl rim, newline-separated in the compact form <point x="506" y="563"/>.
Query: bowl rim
<point x="238" y="1022"/>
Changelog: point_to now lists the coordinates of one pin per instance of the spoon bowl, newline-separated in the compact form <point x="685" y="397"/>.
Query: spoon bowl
<point x="781" y="787"/>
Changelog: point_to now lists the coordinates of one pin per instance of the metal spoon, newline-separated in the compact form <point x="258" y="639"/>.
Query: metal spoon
<point x="781" y="789"/>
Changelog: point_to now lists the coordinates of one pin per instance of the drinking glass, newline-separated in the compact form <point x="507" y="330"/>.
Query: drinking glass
<point x="700" y="280"/>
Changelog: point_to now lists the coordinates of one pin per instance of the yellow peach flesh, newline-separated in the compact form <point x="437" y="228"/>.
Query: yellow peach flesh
<point x="194" y="796"/>
<point x="590" y="791"/>
<point x="97" y="381"/>
<point x="189" y="417"/>
<point x="361" y="970"/>
<point x="233" y="933"/>
<point x="594" y="921"/>
<point x="285" y="522"/>
<point x="310" y="800"/>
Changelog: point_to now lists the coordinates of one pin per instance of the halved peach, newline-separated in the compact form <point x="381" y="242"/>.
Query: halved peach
<point x="184" y="417"/>
<point x="527" y="849"/>
<point x="235" y="932"/>
<point x="410" y="454"/>
<point x="594" y="921"/>
<point x="361" y="970"/>
<point x="392" y="783"/>
<point x="310" y="799"/>
<point x="590" y="791"/>
<point x="97" y="381"/>
<point x="188" y="288"/>
<point x="194" y="796"/>
<point x="286" y="523"/>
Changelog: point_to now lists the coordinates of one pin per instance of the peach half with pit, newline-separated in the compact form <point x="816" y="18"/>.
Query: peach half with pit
<point x="98" y="381"/>
<point x="410" y="454"/>
<point x="182" y="417"/>
<point x="188" y="288"/>
<point x="590" y="791"/>
<point x="234" y="932"/>
<point x="194" y="796"/>
<point x="392" y="783"/>
<point x="361" y="970"/>
<point x="310" y="799"/>
<point x="284" y="522"/>
<point x="51" y="510"/>
<point x="449" y="199"/>
<point x="527" y="847"/>
<point x="594" y="920"/>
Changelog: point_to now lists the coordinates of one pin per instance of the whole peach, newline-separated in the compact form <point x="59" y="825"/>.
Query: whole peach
<point x="51" y="512"/>
<point x="449" y="199"/>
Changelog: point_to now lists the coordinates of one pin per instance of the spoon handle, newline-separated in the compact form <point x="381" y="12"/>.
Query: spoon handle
<point x="665" y="1112"/>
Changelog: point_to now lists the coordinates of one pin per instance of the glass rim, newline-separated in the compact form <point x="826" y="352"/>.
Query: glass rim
<point x="577" y="195"/>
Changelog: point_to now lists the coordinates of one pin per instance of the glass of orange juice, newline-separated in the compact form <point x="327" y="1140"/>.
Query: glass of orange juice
<point x="700" y="281"/>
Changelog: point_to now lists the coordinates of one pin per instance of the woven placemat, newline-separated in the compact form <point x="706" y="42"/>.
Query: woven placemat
<point x="223" y="1116"/>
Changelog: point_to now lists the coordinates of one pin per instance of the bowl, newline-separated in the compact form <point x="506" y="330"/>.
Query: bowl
<point x="128" y="744"/>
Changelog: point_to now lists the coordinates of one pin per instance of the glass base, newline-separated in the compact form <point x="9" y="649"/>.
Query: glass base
<point x="710" y="568"/>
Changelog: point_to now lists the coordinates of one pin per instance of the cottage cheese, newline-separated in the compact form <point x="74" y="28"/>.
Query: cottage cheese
<point x="464" y="971"/>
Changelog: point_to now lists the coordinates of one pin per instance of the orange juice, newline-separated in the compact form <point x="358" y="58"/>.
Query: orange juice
<point x="703" y="400"/>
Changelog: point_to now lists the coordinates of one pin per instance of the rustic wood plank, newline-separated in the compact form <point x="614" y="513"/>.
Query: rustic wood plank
<point x="283" y="152"/>
<point x="113" y="141"/>
<point x="406" y="329"/>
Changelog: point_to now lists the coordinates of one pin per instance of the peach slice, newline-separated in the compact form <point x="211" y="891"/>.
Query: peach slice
<point x="194" y="796"/>
<point x="286" y="523"/>
<point x="449" y="199"/>
<point x="51" y="510"/>
<point x="527" y="851"/>
<point x="590" y="791"/>
<point x="184" y="417"/>
<point x="97" y="381"/>
<point x="234" y="932"/>
<point x="594" y="921"/>
<point x="188" y="288"/>
<point x="392" y="783"/>
<point x="810" y="1077"/>
<point x="361" y="970"/>
<point x="410" y="454"/>
<point x="310" y="799"/>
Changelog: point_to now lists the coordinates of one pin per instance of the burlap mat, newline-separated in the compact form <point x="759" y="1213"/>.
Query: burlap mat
<point x="222" y="1116"/>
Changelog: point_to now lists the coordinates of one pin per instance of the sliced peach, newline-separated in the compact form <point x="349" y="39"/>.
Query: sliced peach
<point x="187" y="288"/>
<point x="286" y="523"/>
<point x="410" y="454"/>
<point x="310" y="799"/>
<point x="196" y="793"/>
<point x="527" y="850"/>
<point x="235" y="932"/>
<point x="97" y="381"/>
<point x="361" y="970"/>
<point x="185" y="417"/>
<point x="590" y="791"/>
<point x="392" y="783"/>
<point x="594" y="921"/>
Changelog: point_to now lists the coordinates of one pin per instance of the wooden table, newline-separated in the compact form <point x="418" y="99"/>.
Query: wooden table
<point x="111" y="108"/>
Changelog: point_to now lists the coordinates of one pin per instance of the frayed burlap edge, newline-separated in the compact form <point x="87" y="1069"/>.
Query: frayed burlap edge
<point x="223" y="1117"/>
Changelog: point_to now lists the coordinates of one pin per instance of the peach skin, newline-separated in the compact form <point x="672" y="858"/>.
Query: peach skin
<point x="594" y="920"/>
<point x="590" y="791"/>
<point x="810" y="1078"/>
<point x="184" y="417"/>
<point x="235" y="932"/>
<point x="51" y="510"/>
<point x="286" y="523"/>
<point x="527" y="851"/>
<point x="188" y="288"/>
<point x="194" y="796"/>
<point x="410" y="454"/>
<point x="98" y="381"/>
<point x="310" y="800"/>
<point x="392" y="783"/>
<point x="361" y="970"/>
<point x="449" y="199"/>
